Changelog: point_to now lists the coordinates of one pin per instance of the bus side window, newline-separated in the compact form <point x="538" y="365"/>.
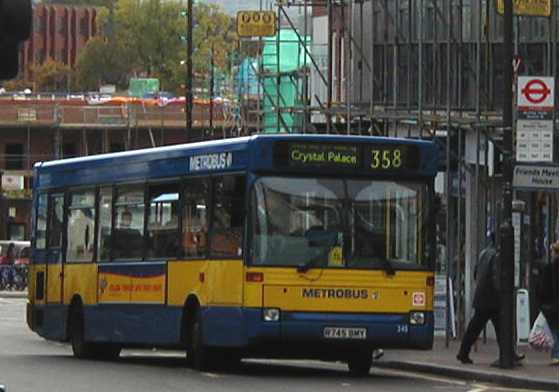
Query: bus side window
<point x="163" y="224"/>
<point x="104" y="227"/>
<point x="56" y="221"/>
<point x="228" y="216"/>
<point x="195" y="218"/>
<point x="128" y="239"/>
<point x="41" y="222"/>
<point x="81" y="227"/>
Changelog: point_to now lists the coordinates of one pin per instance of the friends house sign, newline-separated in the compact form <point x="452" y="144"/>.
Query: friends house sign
<point x="536" y="177"/>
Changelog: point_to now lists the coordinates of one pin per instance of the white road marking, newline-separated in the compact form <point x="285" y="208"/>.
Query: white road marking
<point x="477" y="390"/>
<point x="211" y="375"/>
<point x="504" y="389"/>
<point x="424" y="377"/>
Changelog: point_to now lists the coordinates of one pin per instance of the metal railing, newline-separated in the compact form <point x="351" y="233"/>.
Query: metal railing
<point x="35" y="113"/>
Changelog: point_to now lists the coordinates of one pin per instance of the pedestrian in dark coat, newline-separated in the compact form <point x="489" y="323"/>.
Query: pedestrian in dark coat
<point x="486" y="301"/>
<point x="548" y="298"/>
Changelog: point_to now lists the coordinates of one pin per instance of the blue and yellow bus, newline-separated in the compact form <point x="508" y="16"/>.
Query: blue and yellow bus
<point x="270" y="246"/>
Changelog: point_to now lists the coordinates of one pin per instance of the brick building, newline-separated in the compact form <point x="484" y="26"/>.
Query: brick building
<point x="60" y="32"/>
<point x="38" y="128"/>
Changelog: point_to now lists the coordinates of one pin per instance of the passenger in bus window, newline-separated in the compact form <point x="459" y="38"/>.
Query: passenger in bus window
<point x="129" y="241"/>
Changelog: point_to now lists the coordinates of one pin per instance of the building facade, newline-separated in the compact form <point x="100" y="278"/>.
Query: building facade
<point x="60" y="32"/>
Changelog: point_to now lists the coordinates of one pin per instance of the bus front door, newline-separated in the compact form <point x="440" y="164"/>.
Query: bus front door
<point x="54" y="250"/>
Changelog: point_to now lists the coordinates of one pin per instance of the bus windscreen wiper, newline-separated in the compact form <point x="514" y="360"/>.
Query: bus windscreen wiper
<point x="305" y="267"/>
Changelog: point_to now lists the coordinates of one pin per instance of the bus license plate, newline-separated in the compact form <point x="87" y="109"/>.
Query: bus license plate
<point x="345" y="333"/>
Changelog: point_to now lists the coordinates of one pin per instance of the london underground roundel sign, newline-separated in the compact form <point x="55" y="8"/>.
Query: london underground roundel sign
<point x="535" y="93"/>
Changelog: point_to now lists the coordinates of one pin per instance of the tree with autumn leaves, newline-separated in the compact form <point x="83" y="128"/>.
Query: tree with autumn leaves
<point x="146" y="39"/>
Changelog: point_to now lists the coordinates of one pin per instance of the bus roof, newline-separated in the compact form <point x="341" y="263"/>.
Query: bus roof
<point x="225" y="155"/>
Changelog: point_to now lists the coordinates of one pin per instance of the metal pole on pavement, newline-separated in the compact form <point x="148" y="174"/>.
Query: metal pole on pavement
<point x="506" y="248"/>
<point x="188" y="84"/>
<point x="212" y="66"/>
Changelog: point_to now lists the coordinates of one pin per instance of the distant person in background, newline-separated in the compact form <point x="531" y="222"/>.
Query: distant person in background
<point x="11" y="254"/>
<point x="486" y="301"/>
<point x="7" y="262"/>
<point x="548" y="297"/>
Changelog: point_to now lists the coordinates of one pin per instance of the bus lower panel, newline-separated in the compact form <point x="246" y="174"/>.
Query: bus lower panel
<point x="49" y="321"/>
<point x="133" y="323"/>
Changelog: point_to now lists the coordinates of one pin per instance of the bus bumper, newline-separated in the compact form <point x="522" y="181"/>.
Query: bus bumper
<point x="246" y="328"/>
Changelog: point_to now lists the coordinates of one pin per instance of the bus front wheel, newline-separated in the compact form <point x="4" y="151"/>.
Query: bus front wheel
<point x="359" y="364"/>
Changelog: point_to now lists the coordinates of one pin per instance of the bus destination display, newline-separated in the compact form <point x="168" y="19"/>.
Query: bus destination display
<point x="370" y="157"/>
<point x="323" y="155"/>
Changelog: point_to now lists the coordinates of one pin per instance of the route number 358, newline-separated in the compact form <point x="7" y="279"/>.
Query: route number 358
<point x="386" y="159"/>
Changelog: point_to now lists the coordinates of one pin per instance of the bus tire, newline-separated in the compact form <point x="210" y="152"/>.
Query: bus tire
<point x="80" y="348"/>
<point x="198" y="354"/>
<point x="107" y="351"/>
<point x="359" y="364"/>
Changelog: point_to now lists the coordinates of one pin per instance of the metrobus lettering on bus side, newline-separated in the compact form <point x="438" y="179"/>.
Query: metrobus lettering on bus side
<point x="335" y="293"/>
<point x="219" y="161"/>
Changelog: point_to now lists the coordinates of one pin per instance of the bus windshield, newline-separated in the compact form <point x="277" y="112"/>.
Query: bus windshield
<point x="340" y="223"/>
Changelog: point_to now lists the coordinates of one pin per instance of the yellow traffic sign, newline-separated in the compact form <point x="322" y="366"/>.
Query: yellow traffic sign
<point x="256" y="23"/>
<point x="527" y="7"/>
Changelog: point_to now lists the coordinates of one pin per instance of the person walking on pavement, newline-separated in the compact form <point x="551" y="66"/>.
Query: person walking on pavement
<point x="548" y="298"/>
<point x="486" y="301"/>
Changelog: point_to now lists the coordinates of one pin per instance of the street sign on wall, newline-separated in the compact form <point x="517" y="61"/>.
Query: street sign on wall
<point x="256" y="24"/>
<point x="536" y="177"/>
<point x="527" y="7"/>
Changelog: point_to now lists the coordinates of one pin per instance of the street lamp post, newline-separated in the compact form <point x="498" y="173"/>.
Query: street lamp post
<point x="507" y="344"/>
<point x="212" y="66"/>
<point x="188" y="62"/>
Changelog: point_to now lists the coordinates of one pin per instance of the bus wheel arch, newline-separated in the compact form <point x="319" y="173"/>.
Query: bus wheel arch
<point x="76" y="330"/>
<point x="75" y="303"/>
<point x="197" y="353"/>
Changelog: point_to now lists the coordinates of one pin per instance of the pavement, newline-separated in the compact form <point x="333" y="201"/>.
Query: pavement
<point x="13" y="294"/>
<point x="535" y="371"/>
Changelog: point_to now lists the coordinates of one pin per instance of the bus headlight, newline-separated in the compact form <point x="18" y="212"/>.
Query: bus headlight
<point x="271" y="314"/>
<point x="417" y="318"/>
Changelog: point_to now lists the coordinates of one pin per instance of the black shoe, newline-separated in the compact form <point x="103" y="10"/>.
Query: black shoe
<point x="515" y="362"/>
<point x="519" y="357"/>
<point x="464" y="359"/>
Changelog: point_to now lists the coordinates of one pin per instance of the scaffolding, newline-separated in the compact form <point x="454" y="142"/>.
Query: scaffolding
<point x="427" y="69"/>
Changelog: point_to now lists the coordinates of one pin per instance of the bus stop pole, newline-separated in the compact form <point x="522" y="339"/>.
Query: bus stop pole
<point x="506" y="248"/>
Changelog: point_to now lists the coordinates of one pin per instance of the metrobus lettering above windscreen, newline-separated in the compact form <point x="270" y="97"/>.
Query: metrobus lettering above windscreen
<point x="371" y="157"/>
